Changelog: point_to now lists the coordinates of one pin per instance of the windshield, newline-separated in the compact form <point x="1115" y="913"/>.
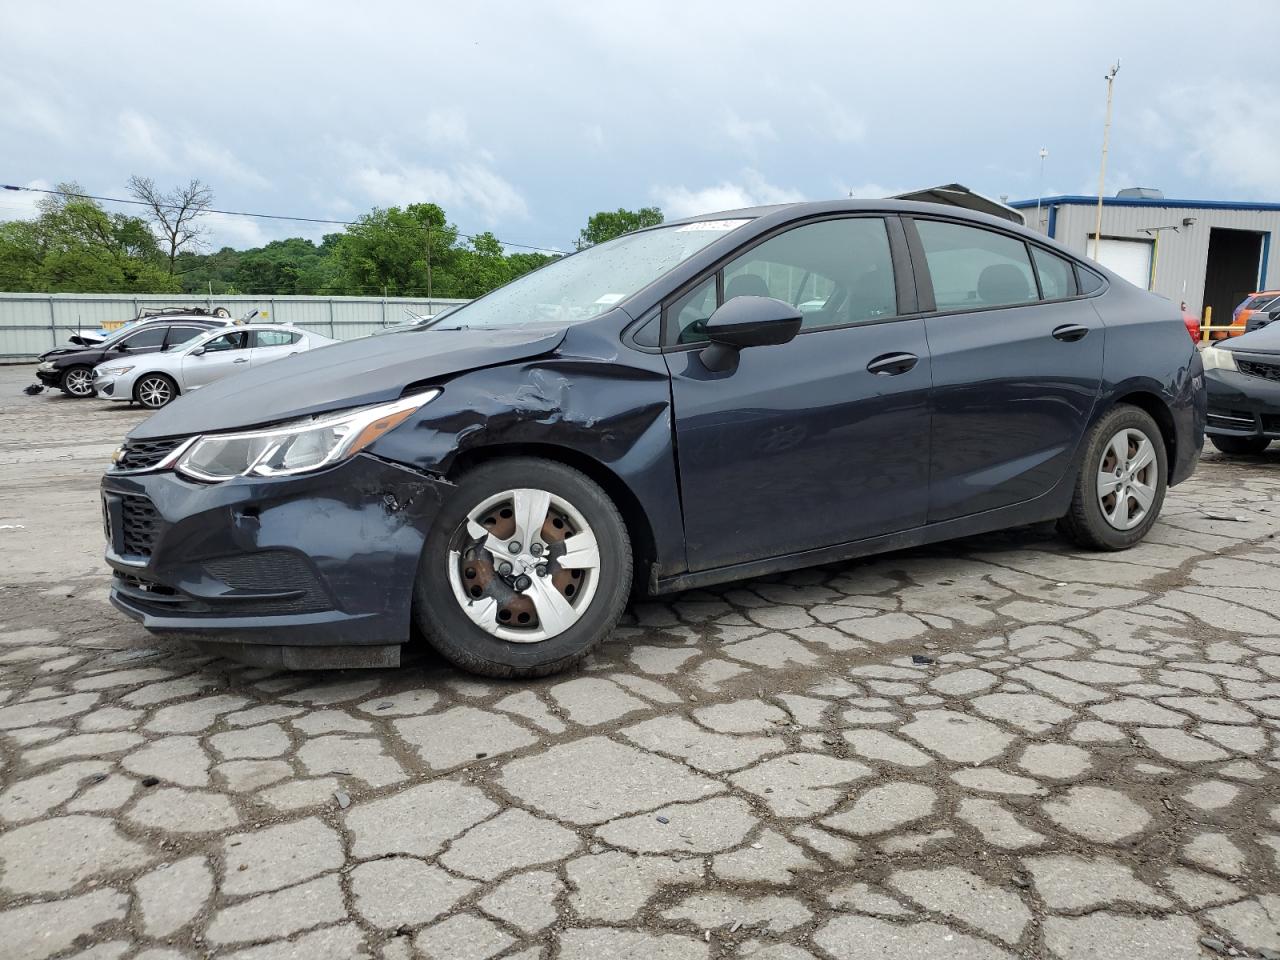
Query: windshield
<point x="591" y="282"/>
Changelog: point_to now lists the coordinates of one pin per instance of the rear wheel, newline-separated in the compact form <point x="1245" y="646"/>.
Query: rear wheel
<point x="155" y="390"/>
<point x="77" y="382"/>
<point x="526" y="570"/>
<point x="1240" y="446"/>
<point x="1122" y="481"/>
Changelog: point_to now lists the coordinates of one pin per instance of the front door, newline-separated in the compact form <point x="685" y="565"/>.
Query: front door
<point x="812" y="443"/>
<point x="1017" y="365"/>
<point x="219" y="356"/>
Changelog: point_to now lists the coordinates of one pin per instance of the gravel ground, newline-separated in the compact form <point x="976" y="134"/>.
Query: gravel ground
<point x="995" y="747"/>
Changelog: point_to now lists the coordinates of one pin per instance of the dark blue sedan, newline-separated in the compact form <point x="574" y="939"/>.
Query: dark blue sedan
<point x="718" y="398"/>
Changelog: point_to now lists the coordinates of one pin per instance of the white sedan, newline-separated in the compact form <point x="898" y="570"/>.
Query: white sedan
<point x="154" y="379"/>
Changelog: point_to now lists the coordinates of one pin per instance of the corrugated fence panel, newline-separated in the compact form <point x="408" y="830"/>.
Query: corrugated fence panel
<point x="31" y="323"/>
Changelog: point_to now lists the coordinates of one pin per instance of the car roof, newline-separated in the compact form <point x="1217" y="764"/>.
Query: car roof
<point x="800" y="207"/>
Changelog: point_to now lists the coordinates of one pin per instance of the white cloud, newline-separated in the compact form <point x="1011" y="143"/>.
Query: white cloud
<point x="470" y="185"/>
<point x="446" y="127"/>
<point x="749" y="133"/>
<point x="593" y="133"/>
<point x="1225" y="131"/>
<point x="138" y="138"/>
<point x="831" y="118"/>
<point x="751" y="190"/>
<point x="180" y="149"/>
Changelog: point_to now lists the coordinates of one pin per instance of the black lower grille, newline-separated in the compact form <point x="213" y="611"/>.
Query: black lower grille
<point x="140" y="525"/>
<point x="1259" y="368"/>
<point x="275" y="571"/>
<point x="144" y="454"/>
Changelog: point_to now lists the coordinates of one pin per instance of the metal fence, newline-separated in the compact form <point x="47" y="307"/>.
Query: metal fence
<point x="31" y="323"/>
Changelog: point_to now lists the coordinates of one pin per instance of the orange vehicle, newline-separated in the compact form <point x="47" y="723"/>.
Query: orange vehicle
<point x="1258" y="307"/>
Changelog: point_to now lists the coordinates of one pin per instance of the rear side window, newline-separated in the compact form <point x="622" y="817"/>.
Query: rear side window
<point x="274" y="338"/>
<point x="1057" y="279"/>
<point x="973" y="268"/>
<point x="1087" y="280"/>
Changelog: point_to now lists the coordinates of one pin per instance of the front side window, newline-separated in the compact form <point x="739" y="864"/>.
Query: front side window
<point x="973" y="268"/>
<point x="1057" y="279"/>
<point x="228" y="341"/>
<point x="181" y="335"/>
<point x="144" y="339"/>
<point x="835" y="272"/>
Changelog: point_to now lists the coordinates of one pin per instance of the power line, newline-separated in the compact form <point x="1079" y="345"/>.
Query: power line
<point x="242" y="213"/>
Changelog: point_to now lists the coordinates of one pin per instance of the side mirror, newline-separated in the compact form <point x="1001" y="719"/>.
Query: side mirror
<point x="197" y="351"/>
<point x="123" y="347"/>
<point x="748" y="322"/>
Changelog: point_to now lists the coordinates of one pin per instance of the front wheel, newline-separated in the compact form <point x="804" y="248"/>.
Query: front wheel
<point x="1122" y="481"/>
<point x="155" y="390"/>
<point x="525" y="571"/>
<point x="1240" y="446"/>
<point x="78" y="382"/>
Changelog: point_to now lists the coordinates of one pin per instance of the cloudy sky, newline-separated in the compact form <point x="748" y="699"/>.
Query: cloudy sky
<point x="524" y="118"/>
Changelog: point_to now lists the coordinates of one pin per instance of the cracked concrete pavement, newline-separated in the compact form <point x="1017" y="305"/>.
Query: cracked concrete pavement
<point x="991" y="748"/>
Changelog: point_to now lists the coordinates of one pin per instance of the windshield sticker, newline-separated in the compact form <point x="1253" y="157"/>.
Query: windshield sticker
<point x="719" y="225"/>
<point x="608" y="299"/>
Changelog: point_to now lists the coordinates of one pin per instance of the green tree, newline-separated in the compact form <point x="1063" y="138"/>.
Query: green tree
<point x="74" y="245"/>
<point x="608" y="224"/>
<point x="405" y="251"/>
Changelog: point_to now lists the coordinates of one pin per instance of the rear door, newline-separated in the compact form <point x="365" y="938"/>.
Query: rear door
<point x="220" y="356"/>
<point x="815" y="442"/>
<point x="1017" y="364"/>
<point x="271" y="345"/>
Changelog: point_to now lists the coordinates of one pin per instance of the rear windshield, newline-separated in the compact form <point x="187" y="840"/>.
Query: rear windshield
<point x="1258" y="302"/>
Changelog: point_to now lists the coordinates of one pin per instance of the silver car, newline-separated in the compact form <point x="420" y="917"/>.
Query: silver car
<point x="155" y="379"/>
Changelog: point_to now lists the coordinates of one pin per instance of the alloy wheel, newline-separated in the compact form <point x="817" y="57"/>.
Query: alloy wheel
<point x="79" y="383"/>
<point x="154" y="392"/>
<point x="524" y="565"/>
<point x="1128" y="478"/>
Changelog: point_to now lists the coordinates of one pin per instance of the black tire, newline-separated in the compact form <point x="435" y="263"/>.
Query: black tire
<point x="1240" y="446"/>
<point x="77" y="382"/>
<point x="154" y="399"/>
<point x="1085" y="522"/>
<point x="439" y="615"/>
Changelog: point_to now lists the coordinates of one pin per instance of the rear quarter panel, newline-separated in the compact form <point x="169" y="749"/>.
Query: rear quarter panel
<point x="1149" y="353"/>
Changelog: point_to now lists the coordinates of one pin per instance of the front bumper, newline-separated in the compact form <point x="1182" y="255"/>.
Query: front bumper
<point x="319" y="560"/>
<point x="106" y="387"/>
<point x="50" y="378"/>
<point x="1242" y="406"/>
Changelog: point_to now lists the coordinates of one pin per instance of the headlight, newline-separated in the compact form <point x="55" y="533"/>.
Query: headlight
<point x="1216" y="358"/>
<point x="112" y="371"/>
<point x="46" y="367"/>
<point x="296" y="447"/>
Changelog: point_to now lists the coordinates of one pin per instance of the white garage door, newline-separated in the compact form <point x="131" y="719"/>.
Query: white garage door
<point x="1129" y="258"/>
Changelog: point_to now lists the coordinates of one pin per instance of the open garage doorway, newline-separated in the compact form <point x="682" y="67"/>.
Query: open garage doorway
<point x="1232" y="270"/>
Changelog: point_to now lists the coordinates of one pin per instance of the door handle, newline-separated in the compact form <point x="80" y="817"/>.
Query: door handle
<point x="241" y="360"/>
<point x="892" y="364"/>
<point x="1070" y="332"/>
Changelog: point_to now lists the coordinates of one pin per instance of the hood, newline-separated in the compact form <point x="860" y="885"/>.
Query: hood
<point x="349" y="374"/>
<point x="89" y="354"/>
<point x="1263" y="340"/>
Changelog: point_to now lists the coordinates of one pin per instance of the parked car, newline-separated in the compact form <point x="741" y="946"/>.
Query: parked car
<point x="1255" y="310"/>
<point x="1243" y="379"/>
<point x="499" y="479"/>
<point x="71" y="368"/>
<point x="159" y="378"/>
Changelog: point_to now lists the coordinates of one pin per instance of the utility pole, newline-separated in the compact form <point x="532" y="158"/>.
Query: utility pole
<point x="1044" y="152"/>
<point x="428" y="259"/>
<point x="1102" y="170"/>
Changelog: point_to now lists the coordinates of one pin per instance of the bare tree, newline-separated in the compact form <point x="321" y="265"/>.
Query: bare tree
<point x="175" y="213"/>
